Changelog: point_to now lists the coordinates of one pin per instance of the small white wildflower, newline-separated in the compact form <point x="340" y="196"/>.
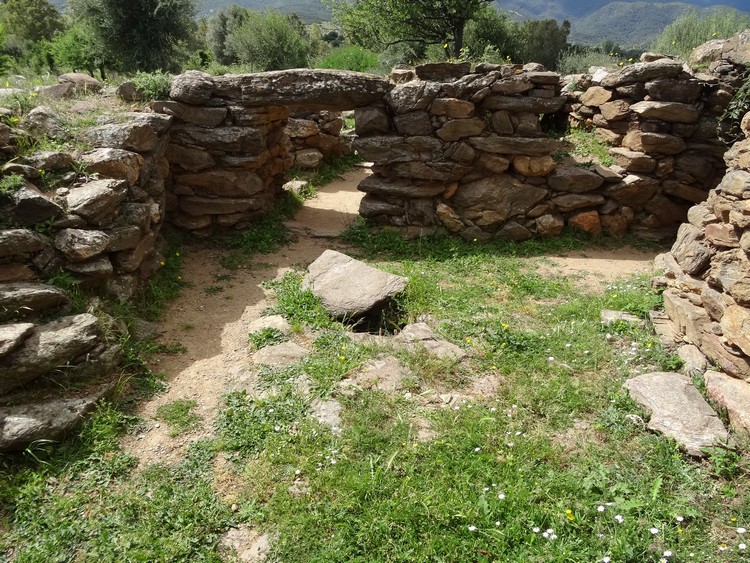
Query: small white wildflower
<point x="501" y="496"/>
<point x="606" y="559"/>
<point x="550" y="531"/>
<point x="535" y="530"/>
<point x="552" y="537"/>
<point x="619" y="518"/>
<point x="486" y="489"/>
<point x="270" y="411"/>
<point x="551" y="359"/>
<point x="742" y="547"/>
<point x="334" y="461"/>
<point x="277" y="428"/>
<point x="497" y="522"/>
<point x="472" y="528"/>
<point x="298" y="472"/>
<point x="514" y="406"/>
<point x="654" y="531"/>
<point x="680" y="518"/>
<point x="477" y="449"/>
<point x="545" y="534"/>
<point x="600" y="508"/>
<point x="493" y="409"/>
<point x="741" y="530"/>
<point x="667" y="553"/>
<point x="568" y="345"/>
<point x="510" y="444"/>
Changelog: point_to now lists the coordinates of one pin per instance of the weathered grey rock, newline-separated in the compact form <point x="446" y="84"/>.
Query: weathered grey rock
<point x="327" y="413"/>
<point x="28" y="172"/>
<point x="190" y="159"/>
<point x="730" y="360"/>
<point x="192" y="87"/>
<point x="56" y="92"/>
<point x="31" y="206"/>
<point x="456" y="129"/>
<point x="130" y="260"/>
<point x="373" y="206"/>
<point x="20" y="241"/>
<point x="678" y="410"/>
<point x="384" y="374"/>
<point x="452" y="108"/>
<point x="199" y="206"/>
<point x="222" y="183"/>
<point x="308" y="158"/>
<point x="443" y="71"/>
<point x="516" y="145"/>
<point x="684" y="91"/>
<point x="128" y="92"/>
<point x="349" y="288"/>
<point x="633" y="161"/>
<point x="54" y="344"/>
<point x="49" y="419"/>
<point x="574" y="180"/>
<point x="82" y="82"/>
<point x="672" y="112"/>
<point x="245" y="140"/>
<point x="276" y="322"/>
<point x="549" y="225"/>
<point x="201" y="116"/>
<point x="733" y="395"/>
<point x="707" y="52"/>
<point x="502" y="195"/>
<point x="97" y="201"/>
<point x="449" y="218"/>
<point x="633" y="190"/>
<point x="609" y="317"/>
<point x="533" y="166"/>
<point x="421" y="335"/>
<point x="616" y="110"/>
<point x="735" y="325"/>
<point x="19" y="300"/>
<point x="692" y="256"/>
<point x="695" y="361"/>
<point x="412" y="96"/>
<point x="596" y="96"/>
<point x="114" y="163"/>
<point x="691" y="319"/>
<point x="643" y="72"/>
<point x="13" y="335"/>
<point x="391" y="149"/>
<point x="570" y="202"/>
<point x="79" y="245"/>
<point x="42" y="120"/>
<point x="400" y="187"/>
<point x="659" y="143"/>
<point x="134" y="136"/>
<point x="371" y="121"/>
<point x="50" y="160"/>
<point x="280" y="355"/>
<point x="686" y="192"/>
<point x="336" y="90"/>
<point x="513" y="85"/>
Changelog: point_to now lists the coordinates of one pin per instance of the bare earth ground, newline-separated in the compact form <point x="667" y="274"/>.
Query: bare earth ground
<point x="213" y="327"/>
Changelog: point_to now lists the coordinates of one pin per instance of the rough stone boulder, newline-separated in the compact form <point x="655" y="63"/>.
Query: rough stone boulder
<point x="20" y="241"/>
<point x="678" y="410"/>
<point x="315" y="89"/>
<point x="140" y="133"/>
<point x="32" y="206"/>
<point x="80" y="81"/>
<point x="733" y="395"/>
<point x="28" y="299"/>
<point x="97" y="201"/>
<point x="114" y="163"/>
<point x="52" y="345"/>
<point x="420" y="334"/>
<point x="349" y="288"/>
<point x="12" y="336"/>
<point x="23" y="424"/>
<point x="42" y="120"/>
<point x="643" y="72"/>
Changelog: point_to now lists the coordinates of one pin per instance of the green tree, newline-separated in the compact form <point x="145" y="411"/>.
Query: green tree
<point x="30" y="20"/>
<point x="144" y="35"/>
<point x="492" y="30"/>
<point x="376" y="24"/>
<point x="220" y="27"/>
<point x="75" y="48"/>
<point x="270" y="41"/>
<point x="543" y="41"/>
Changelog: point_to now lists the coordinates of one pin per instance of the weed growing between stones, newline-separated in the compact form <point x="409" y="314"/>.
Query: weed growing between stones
<point x="266" y="337"/>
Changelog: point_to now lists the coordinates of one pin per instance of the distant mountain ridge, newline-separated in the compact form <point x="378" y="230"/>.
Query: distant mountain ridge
<point x="630" y="23"/>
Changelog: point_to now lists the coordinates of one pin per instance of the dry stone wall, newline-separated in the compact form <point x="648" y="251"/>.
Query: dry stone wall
<point x="707" y="275"/>
<point x="466" y="151"/>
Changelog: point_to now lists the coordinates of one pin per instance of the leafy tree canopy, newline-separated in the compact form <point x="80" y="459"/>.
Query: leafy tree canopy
<point x="377" y="24"/>
<point x="30" y="20"/>
<point x="141" y="35"/>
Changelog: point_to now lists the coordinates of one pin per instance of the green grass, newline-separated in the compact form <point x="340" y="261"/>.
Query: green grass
<point x="558" y="446"/>
<point x="587" y="144"/>
<point x="179" y="415"/>
<point x="266" y="337"/>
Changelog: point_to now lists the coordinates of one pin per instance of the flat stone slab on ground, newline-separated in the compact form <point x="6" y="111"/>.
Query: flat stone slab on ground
<point x="608" y="317"/>
<point x="384" y="374"/>
<point x="280" y="355"/>
<point x="349" y="288"/>
<point x="328" y="413"/>
<point x="678" y="410"/>
<point x="11" y="336"/>
<point x="421" y="334"/>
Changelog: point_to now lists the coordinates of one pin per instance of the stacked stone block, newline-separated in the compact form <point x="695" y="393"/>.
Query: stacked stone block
<point x="661" y="121"/>
<point x="465" y="151"/>
<point x="315" y="136"/>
